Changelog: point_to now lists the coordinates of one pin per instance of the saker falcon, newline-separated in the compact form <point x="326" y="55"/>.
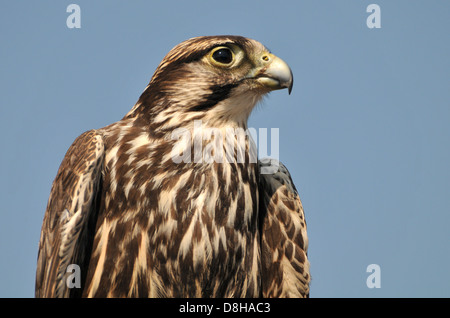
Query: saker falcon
<point x="138" y="223"/>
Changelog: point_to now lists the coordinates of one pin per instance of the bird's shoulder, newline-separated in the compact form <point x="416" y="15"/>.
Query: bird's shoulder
<point x="284" y="238"/>
<point x="70" y="208"/>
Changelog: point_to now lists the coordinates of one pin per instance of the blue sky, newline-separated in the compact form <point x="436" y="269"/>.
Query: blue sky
<point x="365" y="132"/>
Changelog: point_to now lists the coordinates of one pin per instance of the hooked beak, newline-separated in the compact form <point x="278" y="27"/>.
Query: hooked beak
<point x="273" y="73"/>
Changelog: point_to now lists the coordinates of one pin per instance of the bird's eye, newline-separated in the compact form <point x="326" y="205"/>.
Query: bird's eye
<point x="223" y="55"/>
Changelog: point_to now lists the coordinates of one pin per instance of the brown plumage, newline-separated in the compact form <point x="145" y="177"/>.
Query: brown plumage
<point x="144" y="212"/>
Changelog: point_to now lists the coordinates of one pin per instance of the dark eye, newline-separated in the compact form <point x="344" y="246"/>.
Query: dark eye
<point x="223" y="55"/>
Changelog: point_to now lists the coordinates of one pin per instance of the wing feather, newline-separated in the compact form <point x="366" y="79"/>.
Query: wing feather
<point x="66" y="236"/>
<point x="284" y="240"/>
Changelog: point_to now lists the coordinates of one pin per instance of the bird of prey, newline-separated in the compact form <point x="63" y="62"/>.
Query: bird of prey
<point x="138" y="223"/>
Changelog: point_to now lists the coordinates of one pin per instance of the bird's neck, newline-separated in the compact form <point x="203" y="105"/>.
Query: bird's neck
<point x="199" y="142"/>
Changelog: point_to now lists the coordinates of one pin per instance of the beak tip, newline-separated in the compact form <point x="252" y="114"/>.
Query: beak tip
<point x="276" y="75"/>
<point x="291" y="84"/>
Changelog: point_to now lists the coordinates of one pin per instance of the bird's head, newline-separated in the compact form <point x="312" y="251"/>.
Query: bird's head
<point x="218" y="79"/>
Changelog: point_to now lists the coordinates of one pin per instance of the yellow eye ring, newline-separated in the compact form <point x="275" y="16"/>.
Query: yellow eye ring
<point x="222" y="56"/>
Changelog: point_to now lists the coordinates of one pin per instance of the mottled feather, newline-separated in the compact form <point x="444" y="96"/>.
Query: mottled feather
<point x="284" y="241"/>
<point x="140" y="224"/>
<point x="67" y="229"/>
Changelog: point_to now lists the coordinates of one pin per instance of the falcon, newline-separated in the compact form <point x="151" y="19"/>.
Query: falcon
<point x="140" y="213"/>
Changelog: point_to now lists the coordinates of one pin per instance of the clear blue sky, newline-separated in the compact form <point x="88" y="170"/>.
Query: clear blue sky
<point x="365" y="132"/>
